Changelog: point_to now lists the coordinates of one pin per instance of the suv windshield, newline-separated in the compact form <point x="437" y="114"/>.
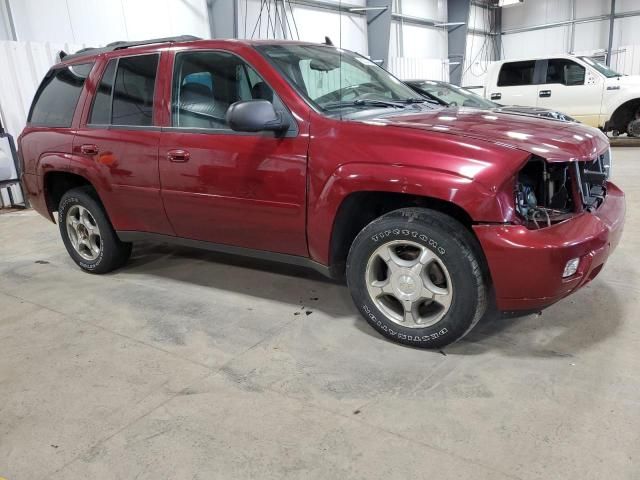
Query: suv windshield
<point x="603" y="69"/>
<point x="331" y="78"/>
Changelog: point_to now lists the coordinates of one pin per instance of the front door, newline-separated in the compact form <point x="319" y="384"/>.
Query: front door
<point x="226" y="187"/>
<point x="572" y="89"/>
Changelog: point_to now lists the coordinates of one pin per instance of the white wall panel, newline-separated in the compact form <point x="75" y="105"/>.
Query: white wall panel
<point x="417" y="41"/>
<point x="5" y="26"/>
<point x="536" y="43"/>
<point x="418" y="68"/>
<point x="592" y="36"/>
<point x="627" y="5"/>
<point x="41" y="20"/>
<point x="592" y="8"/>
<point x="626" y="31"/>
<point x="536" y="12"/>
<point x="98" y="22"/>
<point x="430" y="9"/>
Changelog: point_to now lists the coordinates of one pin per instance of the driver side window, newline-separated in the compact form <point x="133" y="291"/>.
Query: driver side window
<point x="205" y="84"/>
<point x="565" y="72"/>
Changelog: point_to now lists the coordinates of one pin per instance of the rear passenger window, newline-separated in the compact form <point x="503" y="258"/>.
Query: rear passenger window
<point x="57" y="97"/>
<point x="125" y="93"/>
<point x="101" y="110"/>
<point x="133" y="91"/>
<point x="514" y="74"/>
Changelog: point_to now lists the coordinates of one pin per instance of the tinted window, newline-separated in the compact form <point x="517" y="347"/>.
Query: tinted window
<point x="516" y="73"/>
<point x="56" y="99"/>
<point x="564" y="71"/>
<point x="101" y="110"/>
<point x="207" y="83"/>
<point x="133" y="92"/>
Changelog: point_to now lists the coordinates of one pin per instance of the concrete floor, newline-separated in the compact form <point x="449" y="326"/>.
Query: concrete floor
<point x="190" y="365"/>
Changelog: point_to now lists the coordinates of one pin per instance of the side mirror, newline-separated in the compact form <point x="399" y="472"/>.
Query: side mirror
<point x="255" y="116"/>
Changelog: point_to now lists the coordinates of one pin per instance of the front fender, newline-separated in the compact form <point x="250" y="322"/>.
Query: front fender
<point x="482" y="203"/>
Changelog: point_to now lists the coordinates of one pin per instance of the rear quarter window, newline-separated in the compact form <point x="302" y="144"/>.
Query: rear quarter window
<point x="57" y="97"/>
<point x="513" y="74"/>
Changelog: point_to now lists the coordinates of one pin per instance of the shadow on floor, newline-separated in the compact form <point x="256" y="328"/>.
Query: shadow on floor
<point x="575" y="324"/>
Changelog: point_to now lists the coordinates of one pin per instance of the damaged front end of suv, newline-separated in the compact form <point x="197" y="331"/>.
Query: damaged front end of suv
<point x="549" y="193"/>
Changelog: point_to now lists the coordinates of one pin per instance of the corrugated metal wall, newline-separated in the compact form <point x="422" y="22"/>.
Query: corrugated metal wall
<point x="418" y="68"/>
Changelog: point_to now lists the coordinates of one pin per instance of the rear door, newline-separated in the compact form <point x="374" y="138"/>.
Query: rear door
<point x="570" y="88"/>
<point x="120" y="137"/>
<point x="516" y="84"/>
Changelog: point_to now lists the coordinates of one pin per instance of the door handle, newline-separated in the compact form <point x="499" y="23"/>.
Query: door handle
<point x="496" y="96"/>
<point x="544" y="93"/>
<point x="88" y="149"/>
<point x="179" y="156"/>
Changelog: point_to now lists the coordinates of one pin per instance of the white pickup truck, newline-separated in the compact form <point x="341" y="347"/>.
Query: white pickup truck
<point x="578" y="86"/>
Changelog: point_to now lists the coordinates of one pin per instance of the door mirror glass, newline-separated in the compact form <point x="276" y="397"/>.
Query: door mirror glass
<point x="255" y="116"/>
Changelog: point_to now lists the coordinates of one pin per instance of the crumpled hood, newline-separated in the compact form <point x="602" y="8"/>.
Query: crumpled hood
<point x="553" y="140"/>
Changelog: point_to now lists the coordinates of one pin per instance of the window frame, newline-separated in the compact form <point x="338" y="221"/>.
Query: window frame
<point x="112" y="126"/>
<point x="293" y="124"/>
<point x="43" y="84"/>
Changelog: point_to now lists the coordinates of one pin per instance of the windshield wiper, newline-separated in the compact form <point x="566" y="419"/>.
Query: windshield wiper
<point x="418" y="100"/>
<point x="362" y="102"/>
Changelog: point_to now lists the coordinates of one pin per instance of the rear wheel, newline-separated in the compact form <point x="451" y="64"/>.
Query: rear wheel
<point x="416" y="277"/>
<point x="87" y="233"/>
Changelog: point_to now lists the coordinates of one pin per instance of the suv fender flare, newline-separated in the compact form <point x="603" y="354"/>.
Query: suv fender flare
<point x="477" y="200"/>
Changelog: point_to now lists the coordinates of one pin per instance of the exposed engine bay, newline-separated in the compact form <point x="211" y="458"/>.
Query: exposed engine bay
<point x="545" y="192"/>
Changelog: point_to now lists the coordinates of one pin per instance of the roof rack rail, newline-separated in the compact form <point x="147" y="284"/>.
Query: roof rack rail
<point x="120" y="45"/>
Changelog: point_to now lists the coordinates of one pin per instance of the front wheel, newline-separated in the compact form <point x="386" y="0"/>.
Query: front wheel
<point x="416" y="277"/>
<point x="87" y="232"/>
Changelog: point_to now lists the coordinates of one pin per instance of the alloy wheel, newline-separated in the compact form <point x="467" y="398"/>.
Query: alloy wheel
<point x="83" y="232"/>
<point x="409" y="283"/>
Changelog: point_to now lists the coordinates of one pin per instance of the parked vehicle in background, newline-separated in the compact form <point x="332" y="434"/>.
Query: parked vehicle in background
<point x="316" y="156"/>
<point x="587" y="90"/>
<point x="451" y="95"/>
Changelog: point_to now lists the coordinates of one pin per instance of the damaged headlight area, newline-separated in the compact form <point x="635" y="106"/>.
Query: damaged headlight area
<point x="548" y="193"/>
<point x="543" y="193"/>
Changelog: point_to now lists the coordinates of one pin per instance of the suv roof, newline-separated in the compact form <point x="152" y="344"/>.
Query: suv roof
<point x="121" y="45"/>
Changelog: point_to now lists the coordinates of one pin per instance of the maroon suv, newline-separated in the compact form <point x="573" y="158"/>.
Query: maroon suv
<point x="314" y="155"/>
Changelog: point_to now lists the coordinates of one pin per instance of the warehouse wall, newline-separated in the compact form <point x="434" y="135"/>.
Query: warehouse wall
<point x="97" y="22"/>
<point x="311" y="24"/>
<point x="415" y="51"/>
<point x="589" y="37"/>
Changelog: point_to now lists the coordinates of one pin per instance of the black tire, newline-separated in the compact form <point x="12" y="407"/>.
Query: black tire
<point x="452" y="246"/>
<point x="112" y="252"/>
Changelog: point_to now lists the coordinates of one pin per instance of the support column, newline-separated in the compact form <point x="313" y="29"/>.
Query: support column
<point x="379" y="30"/>
<point x="457" y="11"/>
<point x="612" y="20"/>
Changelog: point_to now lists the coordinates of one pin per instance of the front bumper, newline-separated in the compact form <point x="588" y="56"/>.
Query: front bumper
<point x="526" y="265"/>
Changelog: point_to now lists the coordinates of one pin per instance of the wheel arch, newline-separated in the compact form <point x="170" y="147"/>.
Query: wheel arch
<point x="360" y="208"/>
<point x="57" y="182"/>
<point x="623" y="114"/>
